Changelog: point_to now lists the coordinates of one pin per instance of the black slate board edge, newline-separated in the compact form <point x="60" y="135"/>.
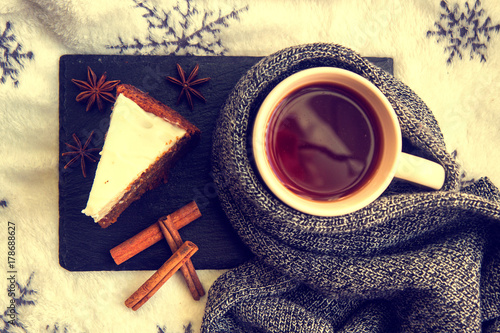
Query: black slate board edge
<point x="83" y="245"/>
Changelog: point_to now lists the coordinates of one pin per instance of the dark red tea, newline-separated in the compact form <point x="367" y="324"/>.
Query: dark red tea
<point x="323" y="141"/>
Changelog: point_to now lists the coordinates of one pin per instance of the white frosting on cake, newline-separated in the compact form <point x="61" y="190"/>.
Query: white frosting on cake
<point x="134" y="141"/>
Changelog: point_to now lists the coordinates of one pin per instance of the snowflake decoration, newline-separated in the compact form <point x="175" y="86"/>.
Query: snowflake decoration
<point x="184" y="30"/>
<point x="11" y="57"/>
<point x="56" y="329"/>
<point x="464" y="30"/>
<point x="22" y="296"/>
<point x="187" y="329"/>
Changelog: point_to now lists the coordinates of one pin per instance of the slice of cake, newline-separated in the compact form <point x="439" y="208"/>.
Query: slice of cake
<point x="144" y="140"/>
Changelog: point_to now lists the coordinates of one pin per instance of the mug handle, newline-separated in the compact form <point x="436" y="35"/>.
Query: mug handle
<point x="420" y="171"/>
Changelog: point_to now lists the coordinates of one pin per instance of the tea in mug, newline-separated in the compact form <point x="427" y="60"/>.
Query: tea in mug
<point x="323" y="141"/>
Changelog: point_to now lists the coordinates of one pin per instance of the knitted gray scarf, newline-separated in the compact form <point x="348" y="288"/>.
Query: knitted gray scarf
<point x="412" y="261"/>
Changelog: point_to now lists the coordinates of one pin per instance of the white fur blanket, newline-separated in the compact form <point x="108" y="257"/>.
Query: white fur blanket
<point x="448" y="52"/>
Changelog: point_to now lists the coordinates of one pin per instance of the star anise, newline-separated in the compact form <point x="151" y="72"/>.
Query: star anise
<point x="187" y="84"/>
<point x="81" y="152"/>
<point x="95" y="91"/>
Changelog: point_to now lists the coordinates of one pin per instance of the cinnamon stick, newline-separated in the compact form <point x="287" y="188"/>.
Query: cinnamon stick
<point x="174" y="241"/>
<point x="153" y="234"/>
<point x="158" y="279"/>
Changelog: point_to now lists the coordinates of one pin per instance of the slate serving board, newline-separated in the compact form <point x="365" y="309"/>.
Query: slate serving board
<point x="84" y="245"/>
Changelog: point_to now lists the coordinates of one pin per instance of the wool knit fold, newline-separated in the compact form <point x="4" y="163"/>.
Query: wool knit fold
<point x="412" y="261"/>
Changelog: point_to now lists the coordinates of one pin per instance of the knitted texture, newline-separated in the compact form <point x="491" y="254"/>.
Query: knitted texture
<point x="412" y="261"/>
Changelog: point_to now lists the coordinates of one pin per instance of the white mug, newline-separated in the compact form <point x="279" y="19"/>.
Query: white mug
<point x="327" y="142"/>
